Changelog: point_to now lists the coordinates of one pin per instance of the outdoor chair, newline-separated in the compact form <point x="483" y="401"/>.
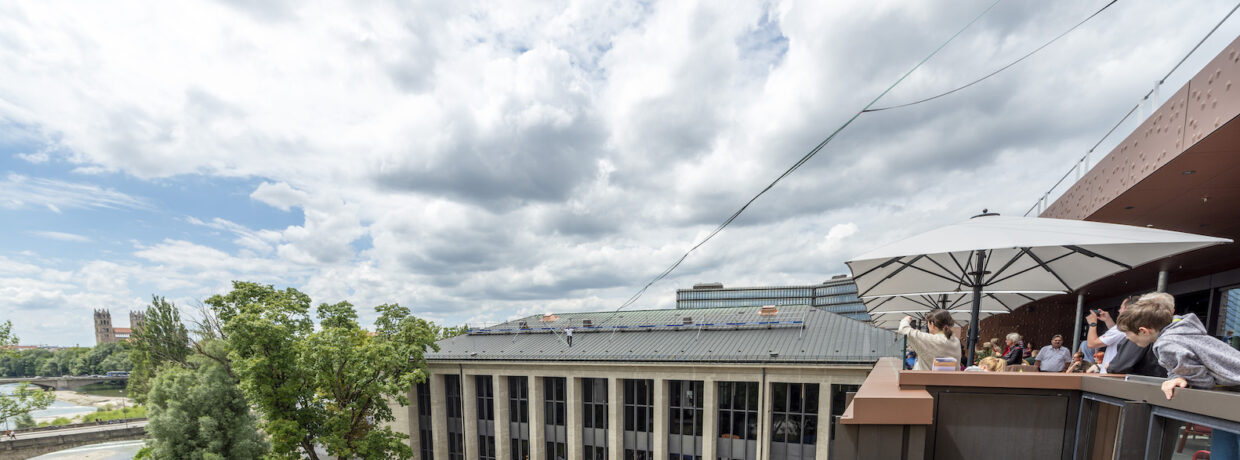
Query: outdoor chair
<point x="1195" y="430"/>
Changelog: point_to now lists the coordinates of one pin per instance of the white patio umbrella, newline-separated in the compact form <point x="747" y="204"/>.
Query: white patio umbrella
<point x="1002" y="302"/>
<point x="891" y="319"/>
<point x="992" y="253"/>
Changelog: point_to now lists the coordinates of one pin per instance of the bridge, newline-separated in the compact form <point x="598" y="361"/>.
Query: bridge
<point x="64" y="382"/>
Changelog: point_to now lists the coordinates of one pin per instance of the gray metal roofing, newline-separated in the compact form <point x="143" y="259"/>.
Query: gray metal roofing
<point x="797" y="334"/>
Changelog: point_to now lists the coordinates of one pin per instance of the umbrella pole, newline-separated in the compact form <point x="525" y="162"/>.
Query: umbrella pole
<point x="1080" y="313"/>
<point x="977" y="305"/>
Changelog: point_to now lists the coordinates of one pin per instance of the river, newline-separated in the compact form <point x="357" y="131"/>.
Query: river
<point x="120" y="450"/>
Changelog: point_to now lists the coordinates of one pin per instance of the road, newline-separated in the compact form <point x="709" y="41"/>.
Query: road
<point x="80" y="429"/>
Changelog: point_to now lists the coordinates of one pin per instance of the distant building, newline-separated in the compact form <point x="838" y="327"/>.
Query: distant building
<point x="733" y="383"/>
<point x="105" y="333"/>
<point x="836" y="295"/>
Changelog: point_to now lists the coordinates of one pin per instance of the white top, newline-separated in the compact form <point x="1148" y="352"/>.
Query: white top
<point x="568" y="332"/>
<point x="929" y="346"/>
<point x="1112" y="338"/>
<point x="1054" y="359"/>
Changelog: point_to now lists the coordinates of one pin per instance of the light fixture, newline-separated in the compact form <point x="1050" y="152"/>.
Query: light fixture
<point x="1129" y="207"/>
<point x="1189" y="172"/>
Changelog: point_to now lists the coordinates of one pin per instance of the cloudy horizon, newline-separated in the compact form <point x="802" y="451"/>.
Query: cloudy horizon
<point x="478" y="162"/>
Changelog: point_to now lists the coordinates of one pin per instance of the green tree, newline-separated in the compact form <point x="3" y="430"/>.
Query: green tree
<point x="442" y="332"/>
<point x="200" y="413"/>
<point x="24" y="400"/>
<point x="325" y="387"/>
<point x="162" y="339"/>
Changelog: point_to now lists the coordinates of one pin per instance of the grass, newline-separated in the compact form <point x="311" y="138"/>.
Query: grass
<point x="102" y="415"/>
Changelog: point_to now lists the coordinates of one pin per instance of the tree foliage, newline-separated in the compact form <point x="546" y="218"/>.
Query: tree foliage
<point x="200" y="413"/>
<point x="23" y="400"/>
<point x="99" y="359"/>
<point x="327" y="387"/>
<point x="162" y="339"/>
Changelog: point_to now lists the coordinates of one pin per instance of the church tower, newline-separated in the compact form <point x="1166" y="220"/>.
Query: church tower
<point x="136" y="320"/>
<point x="103" y="327"/>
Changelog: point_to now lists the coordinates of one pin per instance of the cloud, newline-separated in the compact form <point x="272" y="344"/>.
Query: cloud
<point x="19" y="191"/>
<point x="62" y="236"/>
<point x="481" y="161"/>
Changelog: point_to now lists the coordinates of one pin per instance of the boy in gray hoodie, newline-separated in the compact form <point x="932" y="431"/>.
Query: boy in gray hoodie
<point x="1191" y="356"/>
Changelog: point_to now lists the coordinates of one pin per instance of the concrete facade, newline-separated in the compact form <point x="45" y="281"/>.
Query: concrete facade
<point x="765" y="375"/>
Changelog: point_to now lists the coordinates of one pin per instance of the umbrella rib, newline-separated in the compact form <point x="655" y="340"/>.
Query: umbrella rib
<point x="876" y="267"/>
<point x="958" y="302"/>
<point x="1089" y="253"/>
<point x="928" y="272"/>
<point x="962" y="268"/>
<point x="1048" y="269"/>
<point x="993" y="282"/>
<point x="1006" y="266"/>
<point x="903" y="265"/>
<point x="871" y="310"/>
<point x="959" y="282"/>
<point x="1000" y="302"/>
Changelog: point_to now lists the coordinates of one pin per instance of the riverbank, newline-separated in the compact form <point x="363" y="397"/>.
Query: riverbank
<point x="82" y="399"/>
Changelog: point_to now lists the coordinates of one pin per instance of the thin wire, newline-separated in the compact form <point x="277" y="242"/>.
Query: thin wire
<point x="796" y="165"/>
<point x="1135" y="107"/>
<point x="1001" y="69"/>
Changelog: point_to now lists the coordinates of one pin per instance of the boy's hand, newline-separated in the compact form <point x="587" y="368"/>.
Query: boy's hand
<point x="1105" y="317"/>
<point x="1091" y="317"/>
<point x="1169" y="386"/>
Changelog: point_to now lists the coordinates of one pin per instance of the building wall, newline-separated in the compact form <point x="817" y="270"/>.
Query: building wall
<point x="615" y="373"/>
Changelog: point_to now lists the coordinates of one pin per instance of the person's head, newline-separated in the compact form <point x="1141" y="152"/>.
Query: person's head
<point x="1057" y="341"/>
<point x="1142" y="322"/>
<point x="992" y="364"/>
<point x="940" y="320"/>
<point x="1033" y="353"/>
<point x="1162" y="299"/>
<point x="1012" y="338"/>
<point x="1099" y="354"/>
<point x="1078" y="356"/>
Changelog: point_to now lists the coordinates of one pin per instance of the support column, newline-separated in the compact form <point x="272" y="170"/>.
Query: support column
<point x="764" y="420"/>
<point x="415" y="422"/>
<point x="572" y="427"/>
<point x="439" y="417"/>
<point x="710" y="417"/>
<point x="822" y="450"/>
<point x="615" y="423"/>
<point x="1076" y="328"/>
<point x="660" y="418"/>
<point x="469" y="414"/>
<point x="538" y="424"/>
<point x="1162" y="281"/>
<point x="502" y="435"/>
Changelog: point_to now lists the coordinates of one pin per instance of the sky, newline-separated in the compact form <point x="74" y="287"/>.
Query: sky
<point x="481" y="161"/>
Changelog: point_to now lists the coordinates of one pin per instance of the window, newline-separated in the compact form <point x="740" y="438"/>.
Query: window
<point x="425" y="435"/>
<point x="794" y="420"/>
<point x="485" y="411"/>
<point x="638" y="419"/>
<point x="555" y="418"/>
<point x="738" y="420"/>
<point x="456" y="433"/>
<point x="684" y="425"/>
<point x="594" y="418"/>
<point x="518" y="417"/>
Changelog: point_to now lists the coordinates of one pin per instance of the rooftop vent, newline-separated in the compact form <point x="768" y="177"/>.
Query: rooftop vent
<point x="768" y="310"/>
<point x="549" y="317"/>
<point x="587" y="323"/>
<point x="688" y="320"/>
<point x="708" y="286"/>
<point x="839" y="277"/>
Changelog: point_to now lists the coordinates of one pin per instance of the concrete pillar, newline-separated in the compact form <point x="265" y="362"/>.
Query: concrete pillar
<point x="538" y="425"/>
<point x="1162" y="281"/>
<point x="660" y="418"/>
<point x="439" y="417"/>
<point x="415" y="441"/>
<point x="822" y="450"/>
<point x="572" y="398"/>
<point x="615" y="421"/>
<point x="710" y="417"/>
<point x="502" y="435"/>
<point x="764" y="420"/>
<point x="469" y="414"/>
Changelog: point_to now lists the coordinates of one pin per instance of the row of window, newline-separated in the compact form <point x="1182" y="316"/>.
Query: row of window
<point x="744" y="294"/>
<point x="793" y="425"/>
<point x="741" y="302"/>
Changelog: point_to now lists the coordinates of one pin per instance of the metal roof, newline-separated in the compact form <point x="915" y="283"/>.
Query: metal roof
<point x="796" y="334"/>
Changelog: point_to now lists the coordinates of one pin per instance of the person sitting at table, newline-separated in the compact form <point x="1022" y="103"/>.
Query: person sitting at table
<point x="1078" y="364"/>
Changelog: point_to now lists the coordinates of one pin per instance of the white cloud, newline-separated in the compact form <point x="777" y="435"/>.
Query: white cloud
<point x="63" y="236"/>
<point x="479" y="161"/>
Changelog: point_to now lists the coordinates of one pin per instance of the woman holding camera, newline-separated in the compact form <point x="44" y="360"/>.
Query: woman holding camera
<point x="938" y="343"/>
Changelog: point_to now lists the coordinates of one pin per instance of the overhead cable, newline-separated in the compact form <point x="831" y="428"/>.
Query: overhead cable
<point x="805" y="158"/>
<point x="1001" y="69"/>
